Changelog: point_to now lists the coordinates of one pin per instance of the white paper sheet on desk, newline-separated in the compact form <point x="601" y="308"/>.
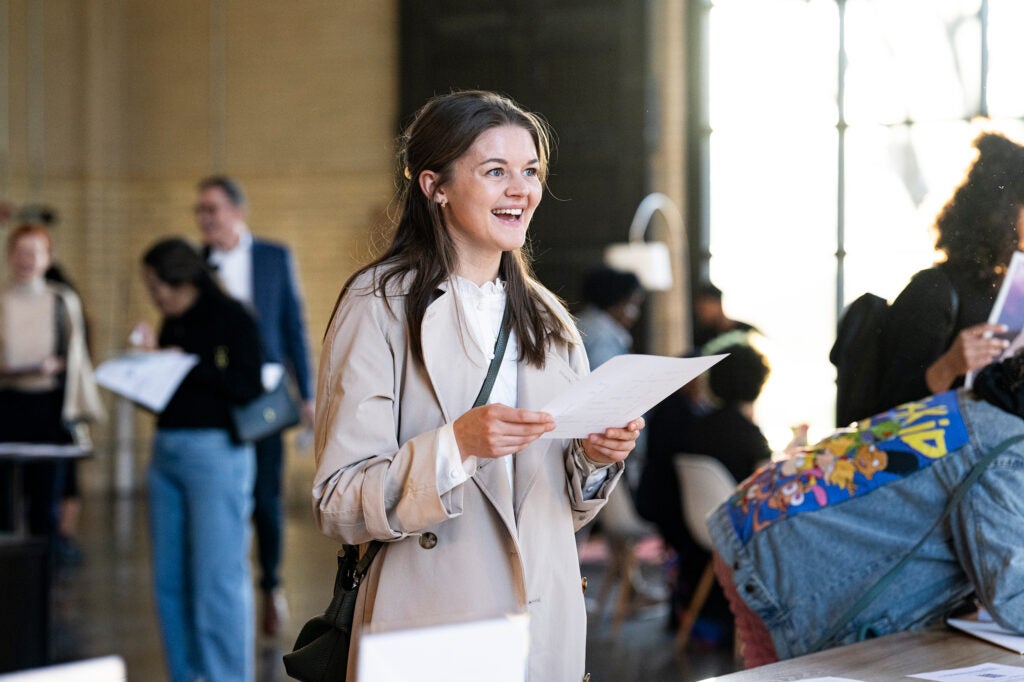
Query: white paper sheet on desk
<point x="620" y="390"/>
<point x="985" y="672"/>
<point x="493" y="650"/>
<point x="989" y="630"/>
<point x="148" y="378"/>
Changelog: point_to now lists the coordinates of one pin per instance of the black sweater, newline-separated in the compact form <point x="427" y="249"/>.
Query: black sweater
<point x="224" y="336"/>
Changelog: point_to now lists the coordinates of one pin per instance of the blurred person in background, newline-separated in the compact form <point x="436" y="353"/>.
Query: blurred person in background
<point x="200" y="477"/>
<point x="262" y="275"/>
<point x="47" y="390"/>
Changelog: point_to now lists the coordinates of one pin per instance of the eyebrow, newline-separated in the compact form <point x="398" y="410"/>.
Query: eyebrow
<point x="505" y="162"/>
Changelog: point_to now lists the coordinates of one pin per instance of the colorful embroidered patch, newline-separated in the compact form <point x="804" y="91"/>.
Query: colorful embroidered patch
<point x="849" y="463"/>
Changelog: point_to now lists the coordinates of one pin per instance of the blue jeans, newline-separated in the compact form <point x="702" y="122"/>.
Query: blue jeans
<point x="200" y="487"/>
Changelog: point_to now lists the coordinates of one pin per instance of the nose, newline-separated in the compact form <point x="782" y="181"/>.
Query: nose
<point x="517" y="185"/>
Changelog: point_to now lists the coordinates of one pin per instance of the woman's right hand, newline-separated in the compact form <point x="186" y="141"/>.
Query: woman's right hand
<point x="497" y="430"/>
<point x="142" y="337"/>
<point x="973" y="348"/>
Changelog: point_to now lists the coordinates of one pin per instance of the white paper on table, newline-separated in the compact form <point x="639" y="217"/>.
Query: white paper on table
<point x="149" y="378"/>
<point x="620" y="390"/>
<point x="985" y="672"/>
<point x="989" y="630"/>
<point x="493" y="650"/>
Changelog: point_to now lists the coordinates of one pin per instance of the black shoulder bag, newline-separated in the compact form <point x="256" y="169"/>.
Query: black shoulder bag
<point x="321" y="650"/>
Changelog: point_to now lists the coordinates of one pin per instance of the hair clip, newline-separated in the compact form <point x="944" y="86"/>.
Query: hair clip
<point x="408" y="175"/>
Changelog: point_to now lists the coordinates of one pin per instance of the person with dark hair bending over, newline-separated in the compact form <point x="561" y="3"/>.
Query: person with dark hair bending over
<point x="937" y="329"/>
<point x="888" y="526"/>
<point x="476" y="512"/>
<point x="200" y="478"/>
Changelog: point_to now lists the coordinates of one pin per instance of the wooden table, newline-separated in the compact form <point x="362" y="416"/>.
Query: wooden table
<point x="884" y="659"/>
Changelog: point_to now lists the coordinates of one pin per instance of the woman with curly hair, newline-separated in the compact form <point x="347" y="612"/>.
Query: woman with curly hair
<point x="936" y="330"/>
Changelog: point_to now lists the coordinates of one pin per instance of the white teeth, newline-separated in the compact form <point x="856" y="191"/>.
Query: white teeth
<point x="508" y="211"/>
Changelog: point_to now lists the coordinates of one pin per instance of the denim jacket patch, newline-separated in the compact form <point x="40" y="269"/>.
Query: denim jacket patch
<point x="849" y="463"/>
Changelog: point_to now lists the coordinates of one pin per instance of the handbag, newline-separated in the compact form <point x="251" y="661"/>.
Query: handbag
<point x="321" y="649"/>
<point x="270" y="413"/>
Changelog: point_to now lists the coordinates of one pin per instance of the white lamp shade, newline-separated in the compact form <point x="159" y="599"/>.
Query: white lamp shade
<point x="649" y="261"/>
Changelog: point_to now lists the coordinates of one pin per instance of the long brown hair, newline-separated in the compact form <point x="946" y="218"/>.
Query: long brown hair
<point x="440" y="133"/>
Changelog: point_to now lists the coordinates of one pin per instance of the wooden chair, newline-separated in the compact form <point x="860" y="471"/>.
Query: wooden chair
<point x="622" y="528"/>
<point x="704" y="484"/>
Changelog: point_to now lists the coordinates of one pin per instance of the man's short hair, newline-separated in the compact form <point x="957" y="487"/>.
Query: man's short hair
<point x="230" y="187"/>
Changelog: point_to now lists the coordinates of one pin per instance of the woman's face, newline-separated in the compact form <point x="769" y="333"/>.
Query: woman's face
<point x="171" y="301"/>
<point x="29" y="257"/>
<point x="492" y="194"/>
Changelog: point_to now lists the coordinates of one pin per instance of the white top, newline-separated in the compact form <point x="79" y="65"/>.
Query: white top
<point x="234" y="268"/>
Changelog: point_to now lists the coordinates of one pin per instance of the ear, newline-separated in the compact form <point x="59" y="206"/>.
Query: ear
<point x="430" y="184"/>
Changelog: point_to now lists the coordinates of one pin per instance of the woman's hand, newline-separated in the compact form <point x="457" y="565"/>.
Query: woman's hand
<point x="142" y="337"/>
<point x="972" y="349"/>
<point x="614" y="445"/>
<point x="497" y="430"/>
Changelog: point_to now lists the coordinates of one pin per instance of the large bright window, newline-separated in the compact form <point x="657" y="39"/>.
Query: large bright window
<point x="835" y="131"/>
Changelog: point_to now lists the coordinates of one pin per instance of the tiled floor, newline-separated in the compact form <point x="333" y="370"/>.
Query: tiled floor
<point x="105" y="605"/>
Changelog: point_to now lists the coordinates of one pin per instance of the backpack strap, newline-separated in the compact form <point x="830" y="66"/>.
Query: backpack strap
<point x="886" y="580"/>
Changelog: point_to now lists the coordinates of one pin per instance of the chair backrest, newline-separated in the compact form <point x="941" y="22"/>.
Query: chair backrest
<point x="619" y="518"/>
<point x="704" y="484"/>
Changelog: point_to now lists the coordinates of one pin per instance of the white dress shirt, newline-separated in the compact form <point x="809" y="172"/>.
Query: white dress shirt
<point x="234" y="268"/>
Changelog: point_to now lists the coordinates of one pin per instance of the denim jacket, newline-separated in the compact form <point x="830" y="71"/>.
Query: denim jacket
<point x="799" y="572"/>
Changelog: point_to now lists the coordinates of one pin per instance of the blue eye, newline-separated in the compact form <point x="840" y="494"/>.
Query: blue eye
<point x="496" y="172"/>
<point x="532" y="172"/>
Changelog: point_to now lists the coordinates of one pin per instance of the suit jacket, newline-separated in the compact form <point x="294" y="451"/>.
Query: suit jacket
<point x="378" y="417"/>
<point x="277" y="307"/>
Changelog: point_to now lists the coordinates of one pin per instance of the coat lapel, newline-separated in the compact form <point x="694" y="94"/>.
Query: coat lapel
<point x="456" y="380"/>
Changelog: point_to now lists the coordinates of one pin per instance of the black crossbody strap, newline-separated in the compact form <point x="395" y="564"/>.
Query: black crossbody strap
<point x="499" y="352"/>
<point x="485" y="392"/>
<point x="886" y="580"/>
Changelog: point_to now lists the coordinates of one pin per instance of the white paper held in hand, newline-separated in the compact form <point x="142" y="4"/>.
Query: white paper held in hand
<point x="620" y="390"/>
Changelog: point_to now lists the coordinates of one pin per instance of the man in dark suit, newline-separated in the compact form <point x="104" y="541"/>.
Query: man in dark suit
<point x="262" y="275"/>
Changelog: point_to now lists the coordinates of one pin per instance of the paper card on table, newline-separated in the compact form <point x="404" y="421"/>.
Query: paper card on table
<point x="493" y="650"/>
<point x="985" y="672"/>
<point x="620" y="390"/>
<point x="989" y="630"/>
<point x="148" y="378"/>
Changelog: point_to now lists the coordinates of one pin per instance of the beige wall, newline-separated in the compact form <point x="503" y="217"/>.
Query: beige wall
<point x="112" y="109"/>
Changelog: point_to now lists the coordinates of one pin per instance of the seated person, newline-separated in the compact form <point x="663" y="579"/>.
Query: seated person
<point x="805" y="546"/>
<point x="682" y="424"/>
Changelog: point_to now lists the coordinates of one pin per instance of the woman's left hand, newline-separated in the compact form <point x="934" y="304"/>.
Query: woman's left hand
<point x="614" y="445"/>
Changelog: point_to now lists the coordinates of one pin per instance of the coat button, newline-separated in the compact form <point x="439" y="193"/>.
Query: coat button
<point x="583" y="583"/>
<point x="748" y="588"/>
<point x="428" y="541"/>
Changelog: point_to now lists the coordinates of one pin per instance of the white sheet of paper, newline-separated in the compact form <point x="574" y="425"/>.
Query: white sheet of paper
<point x="985" y="672"/>
<point x="149" y="378"/>
<point x="493" y="650"/>
<point x="990" y="631"/>
<point x="619" y="391"/>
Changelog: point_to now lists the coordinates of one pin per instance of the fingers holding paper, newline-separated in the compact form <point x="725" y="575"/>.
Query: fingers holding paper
<point x="614" y="445"/>
<point x="497" y="430"/>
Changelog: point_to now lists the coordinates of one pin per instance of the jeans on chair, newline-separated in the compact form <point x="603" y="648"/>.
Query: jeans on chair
<point x="200" y="487"/>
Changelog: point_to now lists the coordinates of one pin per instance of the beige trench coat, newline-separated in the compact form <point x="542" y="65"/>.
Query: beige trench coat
<point x="378" y="415"/>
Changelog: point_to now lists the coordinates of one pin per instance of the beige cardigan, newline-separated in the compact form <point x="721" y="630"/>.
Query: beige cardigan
<point x="378" y="415"/>
<point x="81" y="395"/>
